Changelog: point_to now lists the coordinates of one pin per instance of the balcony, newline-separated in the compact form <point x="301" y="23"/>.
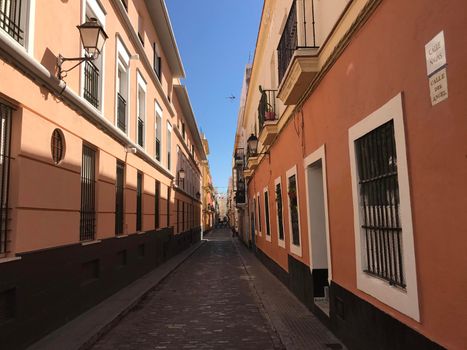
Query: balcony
<point x="253" y="162"/>
<point x="267" y="117"/>
<point x="140" y="132"/>
<point x="121" y="112"/>
<point x="10" y="19"/>
<point x="247" y="173"/>
<point x="91" y="83"/>
<point x="240" y="157"/>
<point x="297" y="52"/>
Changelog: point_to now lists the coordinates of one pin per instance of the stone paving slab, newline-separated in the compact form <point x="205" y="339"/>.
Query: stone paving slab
<point x="297" y="327"/>
<point x="89" y="326"/>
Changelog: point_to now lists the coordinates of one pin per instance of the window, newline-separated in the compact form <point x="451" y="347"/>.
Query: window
<point x="141" y="29"/>
<point x="168" y="205"/>
<point x="157" y="63"/>
<point x="169" y="145"/>
<point x="92" y="79"/>
<point x="5" y="132"/>
<point x="158" y="132"/>
<point x="88" y="194"/>
<point x="178" y="216"/>
<point x="139" y="202"/>
<point x="183" y="130"/>
<point x="259" y="215"/>
<point x="123" y="61"/>
<point x="294" y="213"/>
<point x="266" y="214"/>
<point x="57" y="146"/>
<point x="13" y="18"/>
<point x="119" y="190"/>
<point x="280" y="223"/>
<point x="382" y="212"/>
<point x="193" y="150"/>
<point x="141" y="110"/>
<point x="157" y="200"/>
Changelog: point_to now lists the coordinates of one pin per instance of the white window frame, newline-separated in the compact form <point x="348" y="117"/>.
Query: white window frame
<point x="100" y="14"/>
<point x="258" y="208"/>
<point x="158" y="113"/>
<point x="317" y="155"/>
<point x="266" y="221"/>
<point x="28" y="28"/>
<point x="280" y="242"/>
<point x="404" y="301"/>
<point x="295" y="249"/>
<point x="122" y="59"/>
<point x="141" y="84"/>
<point x="169" y="146"/>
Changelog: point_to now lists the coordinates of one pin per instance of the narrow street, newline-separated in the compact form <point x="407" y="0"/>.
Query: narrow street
<point x="212" y="301"/>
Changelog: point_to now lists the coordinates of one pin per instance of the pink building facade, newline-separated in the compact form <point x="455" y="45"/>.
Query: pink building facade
<point x="100" y="170"/>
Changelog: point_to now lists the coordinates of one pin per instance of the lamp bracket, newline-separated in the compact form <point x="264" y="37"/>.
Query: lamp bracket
<point x="61" y="60"/>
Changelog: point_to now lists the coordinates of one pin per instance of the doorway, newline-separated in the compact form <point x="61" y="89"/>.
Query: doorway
<point x="318" y="229"/>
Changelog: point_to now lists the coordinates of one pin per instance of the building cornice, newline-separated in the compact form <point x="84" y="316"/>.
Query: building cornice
<point x="161" y="21"/>
<point x="17" y="57"/>
<point x="187" y="110"/>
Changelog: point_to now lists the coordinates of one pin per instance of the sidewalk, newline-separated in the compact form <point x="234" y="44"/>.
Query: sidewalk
<point x="89" y="326"/>
<point x="297" y="327"/>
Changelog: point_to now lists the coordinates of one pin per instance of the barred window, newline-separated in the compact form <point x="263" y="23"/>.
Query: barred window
<point x="88" y="192"/>
<point x="5" y="131"/>
<point x="279" y="211"/>
<point x="293" y="207"/>
<point x="57" y="146"/>
<point x="379" y="204"/>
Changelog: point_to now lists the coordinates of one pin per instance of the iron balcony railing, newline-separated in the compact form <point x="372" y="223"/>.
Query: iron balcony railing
<point x="140" y="132"/>
<point x="266" y="107"/>
<point x="10" y="18"/>
<point x="240" y="197"/>
<point x="121" y="112"/>
<point x="289" y="41"/>
<point x="91" y="83"/>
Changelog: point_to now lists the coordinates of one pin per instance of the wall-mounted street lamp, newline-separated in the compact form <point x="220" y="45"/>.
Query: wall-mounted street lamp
<point x="181" y="176"/>
<point x="93" y="38"/>
<point x="252" y="143"/>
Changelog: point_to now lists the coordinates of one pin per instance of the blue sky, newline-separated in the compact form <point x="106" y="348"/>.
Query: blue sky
<point x="216" y="38"/>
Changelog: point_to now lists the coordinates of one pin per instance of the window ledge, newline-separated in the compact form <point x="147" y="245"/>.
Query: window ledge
<point x="121" y="236"/>
<point x="9" y="259"/>
<point x="91" y="242"/>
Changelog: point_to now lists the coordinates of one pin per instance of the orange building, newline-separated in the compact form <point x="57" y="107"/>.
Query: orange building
<point x="100" y="164"/>
<point x="356" y="190"/>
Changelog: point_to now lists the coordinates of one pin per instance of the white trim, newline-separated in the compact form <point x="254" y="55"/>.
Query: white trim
<point x="31" y="27"/>
<point x="122" y="59"/>
<point x="258" y="206"/>
<point x="141" y="83"/>
<point x="266" y="221"/>
<point x="319" y="154"/>
<point x="98" y="11"/>
<point x="405" y="301"/>
<point x="123" y="52"/>
<point x="280" y="242"/>
<point x="295" y="249"/>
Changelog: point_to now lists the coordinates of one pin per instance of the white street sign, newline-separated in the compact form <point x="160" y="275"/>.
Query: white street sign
<point x="435" y="53"/>
<point x="438" y="87"/>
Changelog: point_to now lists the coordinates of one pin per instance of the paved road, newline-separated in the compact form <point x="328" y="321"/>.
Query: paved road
<point x="207" y="303"/>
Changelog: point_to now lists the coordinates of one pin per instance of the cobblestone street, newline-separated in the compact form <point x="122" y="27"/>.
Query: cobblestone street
<point x="207" y="303"/>
<point x="217" y="300"/>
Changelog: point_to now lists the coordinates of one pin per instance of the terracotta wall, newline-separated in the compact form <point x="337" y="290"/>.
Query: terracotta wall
<point x="385" y="57"/>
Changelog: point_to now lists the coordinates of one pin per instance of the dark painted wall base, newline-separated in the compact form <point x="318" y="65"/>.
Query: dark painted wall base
<point x="48" y="288"/>
<point x="361" y="325"/>
<point x="356" y="322"/>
